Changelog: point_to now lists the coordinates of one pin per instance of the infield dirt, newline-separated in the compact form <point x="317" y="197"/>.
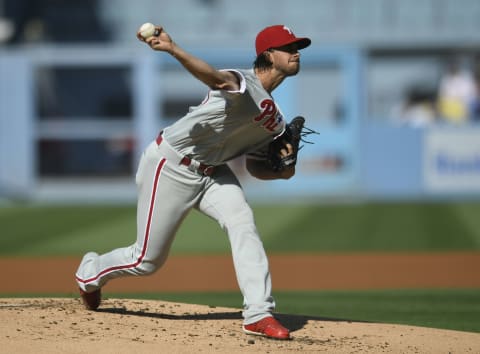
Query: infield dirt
<point x="62" y="325"/>
<point x="147" y="326"/>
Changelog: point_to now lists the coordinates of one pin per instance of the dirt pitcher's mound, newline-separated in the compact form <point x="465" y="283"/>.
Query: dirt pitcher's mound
<point x="140" y="326"/>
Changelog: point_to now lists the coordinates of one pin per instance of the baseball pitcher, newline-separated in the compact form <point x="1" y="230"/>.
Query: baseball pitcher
<point x="185" y="167"/>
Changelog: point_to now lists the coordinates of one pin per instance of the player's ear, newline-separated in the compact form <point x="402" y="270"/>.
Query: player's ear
<point x="268" y="55"/>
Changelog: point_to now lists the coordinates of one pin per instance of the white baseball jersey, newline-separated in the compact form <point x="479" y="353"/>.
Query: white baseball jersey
<point x="225" y="125"/>
<point x="228" y="124"/>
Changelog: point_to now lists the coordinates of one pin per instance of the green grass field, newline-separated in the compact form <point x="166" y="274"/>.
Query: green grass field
<point x="73" y="230"/>
<point x="391" y="227"/>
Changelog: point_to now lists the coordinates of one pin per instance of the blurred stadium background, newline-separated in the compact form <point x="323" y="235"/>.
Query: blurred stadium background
<point x="80" y="97"/>
<point x="391" y="85"/>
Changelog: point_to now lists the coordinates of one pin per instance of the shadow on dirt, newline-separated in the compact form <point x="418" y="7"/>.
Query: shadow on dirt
<point x="296" y="322"/>
<point x="292" y="322"/>
<point x="234" y="315"/>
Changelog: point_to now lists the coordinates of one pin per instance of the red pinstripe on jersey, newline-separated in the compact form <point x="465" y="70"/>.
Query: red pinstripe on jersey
<point x="147" y="232"/>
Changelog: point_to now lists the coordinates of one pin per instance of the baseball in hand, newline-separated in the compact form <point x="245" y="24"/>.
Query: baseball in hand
<point x="148" y="30"/>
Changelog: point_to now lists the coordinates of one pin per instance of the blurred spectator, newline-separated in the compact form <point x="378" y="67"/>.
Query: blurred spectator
<point x="418" y="110"/>
<point x="457" y="94"/>
<point x="53" y="21"/>
<point x="476" y="103"/>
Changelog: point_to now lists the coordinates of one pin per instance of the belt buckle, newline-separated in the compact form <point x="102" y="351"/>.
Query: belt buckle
<point x="208" y="170"/>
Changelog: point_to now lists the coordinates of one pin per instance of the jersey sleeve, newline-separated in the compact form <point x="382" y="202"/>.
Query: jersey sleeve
<point x="241" y="78"/>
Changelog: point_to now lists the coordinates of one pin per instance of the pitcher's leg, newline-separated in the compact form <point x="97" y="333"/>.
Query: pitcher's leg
<point x="94" y="270"/>
<point x="159" y="213"/>
<point x="225" y="202"/>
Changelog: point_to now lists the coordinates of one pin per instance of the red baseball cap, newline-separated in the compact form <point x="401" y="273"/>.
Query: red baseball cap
<point x="278" y="36"/>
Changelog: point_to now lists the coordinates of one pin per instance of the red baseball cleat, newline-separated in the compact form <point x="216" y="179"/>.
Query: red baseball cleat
<point x="267" y="327"/>
<point x="91" y="300"/>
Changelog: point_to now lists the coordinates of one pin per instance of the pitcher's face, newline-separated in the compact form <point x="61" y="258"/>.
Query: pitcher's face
<point x="286" y="59"/>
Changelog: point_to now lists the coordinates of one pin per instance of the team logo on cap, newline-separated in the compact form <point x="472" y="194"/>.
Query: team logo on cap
<point x="288" y="30"/>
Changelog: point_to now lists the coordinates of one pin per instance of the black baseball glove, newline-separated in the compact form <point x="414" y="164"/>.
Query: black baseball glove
<point x="294" y="131"/>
